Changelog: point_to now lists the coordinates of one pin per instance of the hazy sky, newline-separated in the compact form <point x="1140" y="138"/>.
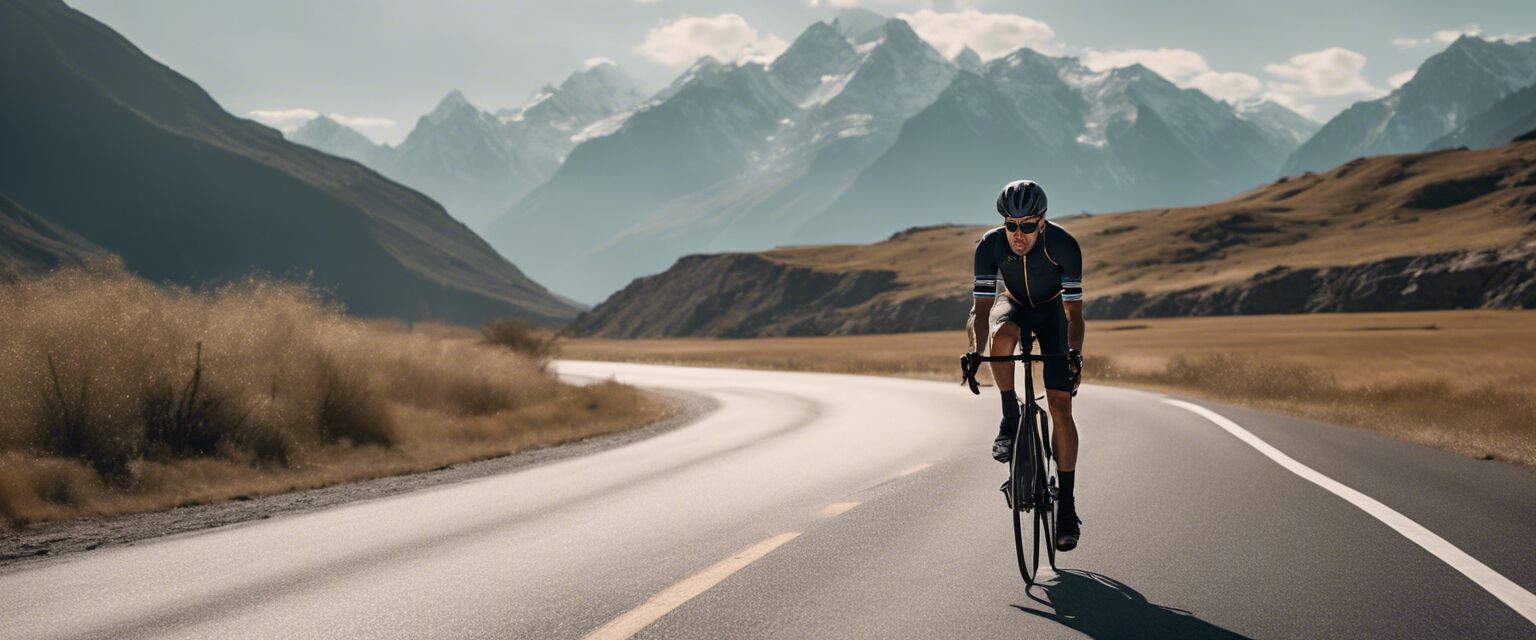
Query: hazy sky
<point x="383" y="63"/>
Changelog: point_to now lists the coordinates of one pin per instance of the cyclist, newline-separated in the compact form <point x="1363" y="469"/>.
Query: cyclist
<point x="1041" y="269"/>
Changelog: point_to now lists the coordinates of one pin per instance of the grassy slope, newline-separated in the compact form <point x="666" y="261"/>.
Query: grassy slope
<point x="1361" y="212"/>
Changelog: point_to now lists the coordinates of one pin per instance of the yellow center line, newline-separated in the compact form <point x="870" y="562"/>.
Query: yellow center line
<point x="836" y="509"/>
<point x="661" y="604"/>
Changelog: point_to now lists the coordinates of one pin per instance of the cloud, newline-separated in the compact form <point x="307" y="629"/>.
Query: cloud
<point x="836" y="4"/>
<point x="992" y="35"/>
<point x="1181" y="67"/>
<point x="1404" y="42"/>
<point x="596" y="62"/>
<point x="1447" y="36"/>
<point x="363" y="122"/>
<point x="283" y="119"/>
<point x="290" y="119"/>
<point x="1400" y="79"/>
<point x="1330" y="72"/>
<point x="726" y="37"/>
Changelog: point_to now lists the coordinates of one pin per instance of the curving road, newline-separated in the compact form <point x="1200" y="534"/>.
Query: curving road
<point x="822" y="506"/>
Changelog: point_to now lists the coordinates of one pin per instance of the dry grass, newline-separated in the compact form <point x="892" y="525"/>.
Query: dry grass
<point x="1461" y="380"/>
<point x="118" y="396"/>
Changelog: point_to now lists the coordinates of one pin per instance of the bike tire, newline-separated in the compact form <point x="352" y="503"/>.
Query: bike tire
<point x="1046" y="513"/>
<point x="1021" y="472"/>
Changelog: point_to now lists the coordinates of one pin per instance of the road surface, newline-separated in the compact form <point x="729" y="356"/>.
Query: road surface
<point x="825" y="506"/>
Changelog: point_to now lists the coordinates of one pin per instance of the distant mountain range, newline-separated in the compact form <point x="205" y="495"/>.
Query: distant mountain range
<point x="477" y="164"/>
<point x="1450" y="89"/>
<point x="30" y="245"/>
<point x="1441" y="230"/>
<point x="860" y="127"/>
<point x="109" y="147"/>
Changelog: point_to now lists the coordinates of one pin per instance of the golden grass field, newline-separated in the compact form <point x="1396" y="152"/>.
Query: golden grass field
<point x="119" y="396"/>
<point x="1462" y="380"/>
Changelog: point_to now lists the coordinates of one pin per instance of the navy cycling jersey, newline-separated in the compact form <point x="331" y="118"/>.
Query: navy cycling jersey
<point x="1051" y="268"/>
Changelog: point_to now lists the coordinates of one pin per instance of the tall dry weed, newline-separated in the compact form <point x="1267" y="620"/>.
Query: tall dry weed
<point x="136" y="384"/>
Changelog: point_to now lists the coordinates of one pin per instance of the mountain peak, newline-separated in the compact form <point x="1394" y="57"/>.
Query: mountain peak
<point x="968" y="60"/>
<point x="452" y="103"/>
<point x="859" y="25"/>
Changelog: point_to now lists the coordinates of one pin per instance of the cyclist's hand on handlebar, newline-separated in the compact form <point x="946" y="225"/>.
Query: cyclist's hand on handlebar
<point x="969" y="364"/>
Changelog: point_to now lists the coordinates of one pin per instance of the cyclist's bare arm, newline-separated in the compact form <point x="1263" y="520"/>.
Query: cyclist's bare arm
<point x="980" y="325"/>
<point x="1076" y="328"/>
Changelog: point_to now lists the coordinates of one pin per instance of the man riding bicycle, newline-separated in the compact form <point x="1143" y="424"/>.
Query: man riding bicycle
<point x="1041" y="268"/>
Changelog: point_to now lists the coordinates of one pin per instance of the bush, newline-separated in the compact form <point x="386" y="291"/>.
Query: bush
<point x="521" y="337"/>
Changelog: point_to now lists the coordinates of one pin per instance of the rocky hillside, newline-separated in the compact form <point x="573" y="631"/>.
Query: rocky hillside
<point x="103" y="141"/>
<point x="1442" y="230"/>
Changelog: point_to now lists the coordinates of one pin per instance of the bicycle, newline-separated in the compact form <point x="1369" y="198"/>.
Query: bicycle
<point x="1031" y="468"/>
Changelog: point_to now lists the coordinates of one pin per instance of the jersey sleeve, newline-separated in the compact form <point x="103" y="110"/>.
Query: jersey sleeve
<point x="985" y="283"/>
<point x="1071" y="269"/>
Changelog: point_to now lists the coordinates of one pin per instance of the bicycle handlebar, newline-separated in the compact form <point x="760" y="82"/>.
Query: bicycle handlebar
<point x="971" y="363"/>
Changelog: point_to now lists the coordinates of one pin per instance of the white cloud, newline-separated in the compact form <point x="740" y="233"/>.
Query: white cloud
<point x="290" y="119"/>
<point x="726" y="37"/>
<point x="836" y="4"/>
<point x="1404" y="42"/>
<point x="1400" y="79"/>
<point x="1330" y="72"/>
<point x="363" y="122"/>
<point x="1181" y="67"/>
<point x="1447" y="36"/>
<point x="992" y="35"/>
<point x="596" y="62"/>
<point x="283" y="119"/>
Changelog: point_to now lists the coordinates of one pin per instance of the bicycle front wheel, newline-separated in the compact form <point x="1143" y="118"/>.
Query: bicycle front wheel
<point x="1024" y="472"/>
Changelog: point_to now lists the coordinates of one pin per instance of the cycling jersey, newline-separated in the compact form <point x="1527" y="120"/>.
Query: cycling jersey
<point x="1051" y="268"/>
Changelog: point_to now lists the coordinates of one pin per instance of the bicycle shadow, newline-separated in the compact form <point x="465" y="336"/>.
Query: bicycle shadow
<point x="1099" y="606"/>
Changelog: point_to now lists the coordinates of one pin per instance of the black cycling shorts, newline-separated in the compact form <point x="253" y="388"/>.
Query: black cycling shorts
<point x="1047" y="323"/>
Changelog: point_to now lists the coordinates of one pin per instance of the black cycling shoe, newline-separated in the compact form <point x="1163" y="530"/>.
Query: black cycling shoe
<point x="1002" y="447"/>
<point x="1068" y="529"/>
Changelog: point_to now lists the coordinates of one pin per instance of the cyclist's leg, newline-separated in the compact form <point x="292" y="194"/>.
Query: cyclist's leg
<point x="1005" y="339"/>
<point x="1052" y="331"/>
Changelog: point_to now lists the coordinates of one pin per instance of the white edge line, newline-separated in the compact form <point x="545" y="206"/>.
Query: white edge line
<point x="638" y="618"/>
<point x="1522" y="601"/>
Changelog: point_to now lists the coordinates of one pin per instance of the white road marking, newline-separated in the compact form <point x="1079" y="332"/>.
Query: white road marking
<point x="1522" y="601"/>
<point x="836" y="509"/>
<point x="673" y="597"/>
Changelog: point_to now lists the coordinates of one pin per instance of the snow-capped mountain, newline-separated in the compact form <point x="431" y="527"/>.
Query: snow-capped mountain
<point x="337" y="139"/>
<point x="477" y="163"/>
<point x="1450" y="88"/>
<point x="1276" y="120"/>
<point x="1098" y="140"/>
<point x="860" y="128"/>
<point x="730" y="155"/>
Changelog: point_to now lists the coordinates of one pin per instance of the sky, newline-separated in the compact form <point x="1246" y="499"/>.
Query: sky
<point x="378" y="65"/>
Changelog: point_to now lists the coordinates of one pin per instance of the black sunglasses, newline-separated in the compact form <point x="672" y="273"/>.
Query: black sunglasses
<point x="1025" y="227"/>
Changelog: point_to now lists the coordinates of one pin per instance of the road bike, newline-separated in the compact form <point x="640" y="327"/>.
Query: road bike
<point x="1031" y="469"/>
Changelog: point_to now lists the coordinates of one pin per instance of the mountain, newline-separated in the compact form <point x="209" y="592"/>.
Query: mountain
<point x="1277" y="121"/>
<point x="728" y="155"/>
<point x="30" y="245"/>
<point x="860" y="127"/>
<point x="105" y="142"/>
<point x="1501" y="123"/>
<point x="477" y="163"/>
<point x="1106" y="140"/>
<point x="1450" y="88"/>
<point x="338" y="139"/>
<point x="1442" y="230"/>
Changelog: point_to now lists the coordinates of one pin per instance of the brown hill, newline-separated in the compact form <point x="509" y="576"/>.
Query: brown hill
<point x="103" y="141"/>
<point x="1444" y="230"/>
<point x="30" y="245"/>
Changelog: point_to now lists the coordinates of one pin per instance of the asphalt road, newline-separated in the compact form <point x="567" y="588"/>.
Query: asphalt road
<point x="816" y="506"/>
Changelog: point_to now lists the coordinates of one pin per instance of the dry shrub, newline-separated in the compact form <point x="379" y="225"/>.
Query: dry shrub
<point x="254" y="387"/>
<point x="521" y="337"/>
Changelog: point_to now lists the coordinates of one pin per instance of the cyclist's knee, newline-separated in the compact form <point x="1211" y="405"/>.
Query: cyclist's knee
<point x="1005" y="334"/>
<point x="1060" y="402"/>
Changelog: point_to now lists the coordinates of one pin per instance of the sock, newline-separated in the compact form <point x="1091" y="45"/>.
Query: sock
<point x="1010" y="411"/>
<point x="1067" y="478"/>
